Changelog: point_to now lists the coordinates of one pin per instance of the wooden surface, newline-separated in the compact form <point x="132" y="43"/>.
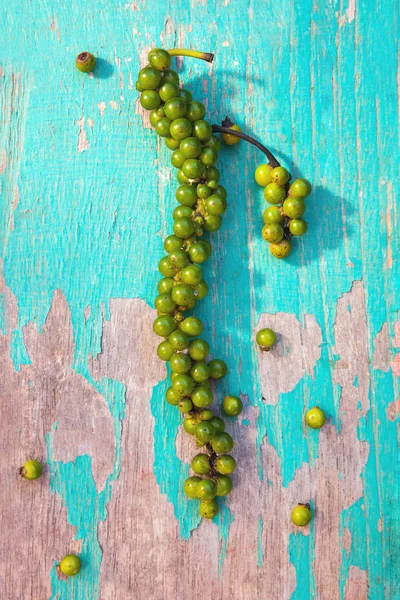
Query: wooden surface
<point x="86" y="198"/>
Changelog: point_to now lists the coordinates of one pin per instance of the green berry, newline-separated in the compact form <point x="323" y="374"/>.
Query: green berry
<point x="204" y="431"/>
<point x="181" y="177"/>
<point x="168" y="90"/>
<point x="183" y="228"/>
<point x="190" y="486"/>
<point x="216" y="205"/>
<point x="262" y="175"/>
<point x="192" y="326"/>
<point x="199" y="349"/>
<point x="221" y="191"/>
<point x="159" y="59"/>
<point x="281" y="249"/>
<point x="179" y="340"/>
<point x="166" y="268"/>
<point x="232" y="406"/>
<point x="165" y="285"/>
<point x="171" y="143"/>
<point x="297" y="227"/>
<point x="177" y="159"/>
<point x="172" y="396"/>
<point x="155" y="115"/>
<point x="175" y="108"/>
<point x="265" y="338"/>
<point x="170" y="75"/>
<point x="164" y="303"/>
<point x="202" y="130"/>
<point x="185" y="95"/>
<point x="200" y="290"/>
<point x="208" y="156"/>
<point x="185" y="405"/>
<point x="191" y="275"/>
<point x="171" y="243"/>
<point x="294" y="207"/>
<point x="179" y="258"/>
<point x="190" y="147"/>
<point x="301" y="515"/>
<point x="182" y="212"/>
<point x="149" y="78"/>
<point x="224" y="485"/>
<point x="203" y="190"/>
<point x="300" y="188"/>
<point x="200" y="372"/>
<point x="86" y="62"/>
<point x="222" y="443"/>
<point x="208" y="509"/>
<point x="212" y="223"/>
<point x="218" y="368"/>
<point x="201" y="464"/>
<point x="150" y="99"/>
<point x="272" y="232"/>
<point x="180" y="129"/>
<point x="196" y="111"/>
<point x="164" y="325"/>
<point x="274" y="194"/>
<point x="225" y="464"/>
<point x="213" y="142"/>
<point x="206" y="414"/>
<point x="183" y="384"/>
<point x="218" y="424"/>
<point x="182" y="294"/>
<point x="186" y="194"/>
<point x="31" y="469"/>
<point x="315" y="418"/>
<point x="198" y="252"/>
<point x="192" y="168"/>
<point x="206" y="489"/>
<point x="70" y="565"/>
<point x="273" y="214"/>
<point x="189" y="424"/>
<point x="212" y="174"/>
<point x="180" y="363"/>
<point x="229" y="139"/>
<point x="280" y="175"/>
<point x="165" y="350"/>
<point x="202" y="396"/>
<point x="162" y="127"/>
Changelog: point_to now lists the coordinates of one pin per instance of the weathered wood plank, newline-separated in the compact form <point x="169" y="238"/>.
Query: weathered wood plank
<point x="86" y="198"/>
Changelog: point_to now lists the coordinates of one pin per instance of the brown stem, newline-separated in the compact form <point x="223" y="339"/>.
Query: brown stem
<point x="272" y="160"/>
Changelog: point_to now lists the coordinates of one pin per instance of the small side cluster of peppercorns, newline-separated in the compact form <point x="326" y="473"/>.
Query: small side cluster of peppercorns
<point x="314" y="418"/>
<point x="282" y="220"/>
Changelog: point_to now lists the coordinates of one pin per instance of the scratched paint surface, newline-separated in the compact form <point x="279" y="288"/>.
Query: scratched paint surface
<point x="86" y="198"/>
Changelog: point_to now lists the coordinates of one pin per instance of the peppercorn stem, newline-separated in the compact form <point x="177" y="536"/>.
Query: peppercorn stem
<point x="272" y="160"/>
<point x="207" y="56"/>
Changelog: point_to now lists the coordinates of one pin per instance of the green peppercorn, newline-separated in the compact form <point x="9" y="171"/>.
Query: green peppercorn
<point x="315" y="418"/>
<point x="225" y="464"/>
<point x="206" y="489"/>
<point x="70" y="565"/>
<point x="218" y="368"/>
<point x="190" y="486"/>
<point x="222" y="443"/>
<point x="281" y="249"/>
<point x="204" y="432"/>
<point x="159" y="59"/>
<point x="199" y="349"/>
<point x="208" y="509"/>
<point x="201" y="464"/>
<point x="218" y="424"/>
<point x="31" y="469"/>
<point x="224" y="485"/>
<point x="232" y="406"/>
<point x="85" y="62"/>
<point x="301" y="515"/>
<point x="265" y="338"/>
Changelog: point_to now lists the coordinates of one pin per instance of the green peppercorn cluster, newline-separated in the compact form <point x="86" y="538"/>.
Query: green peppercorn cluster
<point x="179" y="119"/>
<point x="282" y="220"/>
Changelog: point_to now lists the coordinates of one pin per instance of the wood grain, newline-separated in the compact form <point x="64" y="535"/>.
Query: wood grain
<point x="87" y="193"/>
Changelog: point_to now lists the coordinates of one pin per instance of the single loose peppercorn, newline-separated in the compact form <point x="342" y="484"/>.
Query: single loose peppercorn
<point x="85" y="62"/>
<point x="265" y="338"/>
<point x="301" y="515"/>
<point x="70" y="565"/>
<point x="31" y="469"/>
<point x="232" y="406"/>
<point x="315" y="418"/>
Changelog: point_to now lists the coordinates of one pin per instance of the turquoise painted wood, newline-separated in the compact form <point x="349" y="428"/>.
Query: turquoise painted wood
<point x="87" y="193"/>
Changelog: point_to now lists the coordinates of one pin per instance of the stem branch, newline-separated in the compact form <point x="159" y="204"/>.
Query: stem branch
<point x="207" y="56"/>
<point x="272" y="160"/>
